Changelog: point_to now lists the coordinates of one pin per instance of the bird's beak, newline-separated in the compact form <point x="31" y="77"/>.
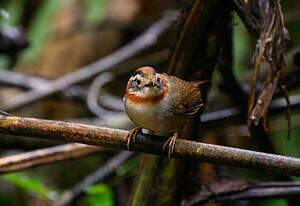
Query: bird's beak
<point x="150" y="84"/>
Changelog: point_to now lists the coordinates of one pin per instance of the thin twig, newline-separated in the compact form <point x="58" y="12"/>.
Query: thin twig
<point x="18" y="79"/>
<point x="115" y="138"/>
<point x="142" y="42"/>
<point x="248" y="19"/>
<point x="45" y="156"/>
<point x="93" y="96"/>
<point x="99" y="175"/>
<point x="275" y="106"/>
<point x="264" y="98"/>
<point x="243" y="189"/>
<point x="257" y="59"/>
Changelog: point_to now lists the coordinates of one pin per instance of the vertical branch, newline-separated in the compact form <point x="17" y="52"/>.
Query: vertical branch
<point x="150" y="189"/>
<point x="194" y="26"/>
<point x="165" y="185"/>
<point x="230" y="84"/>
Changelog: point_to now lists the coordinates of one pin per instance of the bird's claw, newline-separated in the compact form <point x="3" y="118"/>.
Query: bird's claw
<point x="171" y="144"/>
<point x="131" y="136"/>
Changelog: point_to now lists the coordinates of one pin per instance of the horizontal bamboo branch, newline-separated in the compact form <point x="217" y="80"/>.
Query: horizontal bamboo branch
<point x="33" y="158"/>
<point x="64" y="152"/>
<point x="116" y="138"/>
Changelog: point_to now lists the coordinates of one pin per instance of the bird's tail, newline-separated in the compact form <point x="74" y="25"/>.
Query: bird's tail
<point x="201" y="84"/>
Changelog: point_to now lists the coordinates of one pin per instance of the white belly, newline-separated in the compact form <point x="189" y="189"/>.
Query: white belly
<point x="153" y="117"/>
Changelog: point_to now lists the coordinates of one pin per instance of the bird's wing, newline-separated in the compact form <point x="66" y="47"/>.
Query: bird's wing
<point x="187" y="98"/>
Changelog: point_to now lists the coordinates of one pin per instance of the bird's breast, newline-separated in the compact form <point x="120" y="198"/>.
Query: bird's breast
<point x="156" y="117"/>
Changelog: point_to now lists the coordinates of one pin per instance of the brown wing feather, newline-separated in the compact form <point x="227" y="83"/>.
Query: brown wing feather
<point x="188" y="99"/>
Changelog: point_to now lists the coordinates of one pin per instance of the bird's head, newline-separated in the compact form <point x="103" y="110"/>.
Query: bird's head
<point x="146" y="85"/>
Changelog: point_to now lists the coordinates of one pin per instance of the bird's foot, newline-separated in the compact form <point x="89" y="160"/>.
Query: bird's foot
<point x="131" y="136"/>
<point x="171" y="144"/>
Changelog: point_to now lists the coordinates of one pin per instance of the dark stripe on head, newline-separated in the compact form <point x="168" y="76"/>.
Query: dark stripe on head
<point x="138" y="72"/>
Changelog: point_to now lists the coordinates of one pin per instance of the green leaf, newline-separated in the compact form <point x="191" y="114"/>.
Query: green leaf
<point x="31" y="184"/>
<point x="100" y="195"/>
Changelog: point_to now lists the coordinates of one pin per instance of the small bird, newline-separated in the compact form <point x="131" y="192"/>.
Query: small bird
<point x="160" y="103"/>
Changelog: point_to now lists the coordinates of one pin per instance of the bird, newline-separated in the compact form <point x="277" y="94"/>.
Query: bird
<point x="160" y="103"/>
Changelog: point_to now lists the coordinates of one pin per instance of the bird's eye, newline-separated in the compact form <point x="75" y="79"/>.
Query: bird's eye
<point x="138" y="82"/>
